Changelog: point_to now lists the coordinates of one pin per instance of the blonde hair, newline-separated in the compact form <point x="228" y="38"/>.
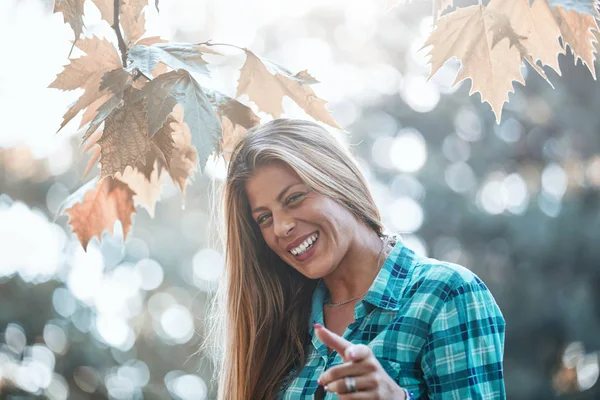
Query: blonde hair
<point x="262" y="306"/>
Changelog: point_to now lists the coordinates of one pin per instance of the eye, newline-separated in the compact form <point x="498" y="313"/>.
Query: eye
<point x="294" y="198"/>
<point x="262" y="218"/>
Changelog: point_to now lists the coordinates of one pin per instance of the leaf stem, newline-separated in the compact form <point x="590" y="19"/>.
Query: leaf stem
<point x="209" y="43"/>
<point x="122" y="46"/>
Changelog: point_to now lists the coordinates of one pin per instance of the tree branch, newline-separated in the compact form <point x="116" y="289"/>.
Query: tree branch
<point x="117" y="29"/>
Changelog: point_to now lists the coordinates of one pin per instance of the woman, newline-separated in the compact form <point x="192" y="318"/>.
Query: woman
<point x="318" y="302"/>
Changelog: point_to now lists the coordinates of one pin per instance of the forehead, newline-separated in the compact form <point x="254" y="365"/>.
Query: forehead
<point x="267" y="182"/>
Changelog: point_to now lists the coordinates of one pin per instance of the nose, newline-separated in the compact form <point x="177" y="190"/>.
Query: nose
<point x="284" y="225"/>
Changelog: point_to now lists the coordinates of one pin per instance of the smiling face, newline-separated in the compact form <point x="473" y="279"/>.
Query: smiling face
<point x="287" y="212"/>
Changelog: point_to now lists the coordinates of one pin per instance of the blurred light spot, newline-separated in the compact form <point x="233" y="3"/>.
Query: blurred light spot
<point x="549" y="205"/>
<point x="515" y="193"/>
<point x="55" y="338"/>
<point x="407" y="185"/>
<point x="456" y="149"/>
<point x="380" y="152"/>
<point x="86" y="378"/>
<point x="150" y="273"/>
<point x="419" y="93"/>
<point x="61" y="158"/>
<point x="215" y="169"/>
<point x="445" y="77"/>
<point x="135" y="371"/>
<point x="186" y="387"/>
<point x="345" y="111"/>
<point x="86" y="272"/>
<point x="447" y="248"/>
<point x="119" y="387"/>
<point x="592" y="171"/>
<point x="468" y="125"/>
<point x="460" y="177"/>
<point x="177" y="324"/>
<point x="23" y="229"/>
<point x="554" y="180"/>
<point x="160" y="302"/>
<point x="587" y="371"/>
<point x="406" y="215"/>
<point x="207" y="265"/>
<point x="14" y="337"/>
<point x="41" y="354"/>
<point x="58" y="389"/>
<point x="383" y="78"/>
<point x="114" y="331"/>
<point x="137" y="248"/>
<point x="380" y="123"/>
<point x="82" y="319"/>
<point x="409" y="150"/>
<point x="193" y="226"/>
<point x="416" y="244"/>
<point x="538" y="110"/>
<point x="491" y="197"/>
<point x="55" y="195"/>
<point x="509" y="130"/>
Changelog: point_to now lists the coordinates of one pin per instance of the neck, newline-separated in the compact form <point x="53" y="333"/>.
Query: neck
<point x="356" y="272"/>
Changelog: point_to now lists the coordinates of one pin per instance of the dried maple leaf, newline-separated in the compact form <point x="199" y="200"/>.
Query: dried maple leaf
<point x="107" y="10"/>
<point x="536" y="25"/>
<point x="125" y="139"/>
<point x="578" y="33"/>
<point x="136" y="6"/>
<point x="267" y="90"/>
<point x="176" y="56"/>
<point x="147" y="189"/>
<point x="487" y="47"/>
<point x="134" y="25"/>
<point x="72" y="11"/>
<point x="184" y="157"/>
<point x="100" y="66"/>
<point x="110" y="200"/>
<point x="232" y="134"/>
<point x="179" y="87"/>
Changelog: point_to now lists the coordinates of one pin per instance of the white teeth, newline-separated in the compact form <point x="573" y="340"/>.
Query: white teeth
<point x="304" y="245"/>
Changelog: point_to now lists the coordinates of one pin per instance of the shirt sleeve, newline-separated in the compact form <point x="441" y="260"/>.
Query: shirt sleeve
<point x="462" y="355"/>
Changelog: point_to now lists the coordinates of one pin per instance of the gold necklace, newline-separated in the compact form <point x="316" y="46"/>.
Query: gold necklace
<point x="328" y="304"/>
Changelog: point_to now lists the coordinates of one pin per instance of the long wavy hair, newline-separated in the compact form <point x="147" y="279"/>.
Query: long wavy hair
<point x="258" y="320"/>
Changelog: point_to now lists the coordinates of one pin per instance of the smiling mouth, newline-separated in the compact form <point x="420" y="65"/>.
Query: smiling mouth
<point x="306" y="245"/>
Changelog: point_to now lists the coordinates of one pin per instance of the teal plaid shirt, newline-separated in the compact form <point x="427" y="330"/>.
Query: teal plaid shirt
<point x="433" y="326"/>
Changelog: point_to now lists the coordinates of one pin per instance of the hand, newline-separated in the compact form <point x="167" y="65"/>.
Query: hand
<point x="372" y="382"/>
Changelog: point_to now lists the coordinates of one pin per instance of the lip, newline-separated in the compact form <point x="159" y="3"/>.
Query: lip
<point x="298" y="241"/>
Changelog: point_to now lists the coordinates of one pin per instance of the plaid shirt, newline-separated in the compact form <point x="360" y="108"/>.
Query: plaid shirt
<point x="433" y="326"/>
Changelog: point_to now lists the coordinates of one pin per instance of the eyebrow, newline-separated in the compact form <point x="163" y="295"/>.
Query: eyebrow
<point x="279" y="197"/>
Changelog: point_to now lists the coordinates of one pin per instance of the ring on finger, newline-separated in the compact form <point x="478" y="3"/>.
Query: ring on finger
<point x="350" y="384"/>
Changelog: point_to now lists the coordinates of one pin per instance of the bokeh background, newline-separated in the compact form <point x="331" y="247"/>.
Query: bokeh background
<point x="518" y="203"/>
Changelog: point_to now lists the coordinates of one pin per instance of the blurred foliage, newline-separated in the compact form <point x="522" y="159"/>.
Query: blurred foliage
<point x="518" y="203"/>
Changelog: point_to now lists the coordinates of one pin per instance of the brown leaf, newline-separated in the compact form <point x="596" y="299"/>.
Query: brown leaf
<point x="109" y="201"/>
<point x="231" y="136"/>
<point x="488" y="48"/>
<point x="536" y="25"/>
<point x="72" y="11"/>
<point x="184" y="156"/>
<point x="125" y="140"/>
<point x="578" y="32"/>
<point x="147" y="189"/>
<point x="107" y="10"/>
<point x="149" y="41"/>
<point x="134" y="26"/>
<point x="136" y="6"/>
<point x="267" y="91"/>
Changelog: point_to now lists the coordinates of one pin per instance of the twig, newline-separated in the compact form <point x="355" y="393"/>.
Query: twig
<point x="122" y="46"/>
<point x="208" y="43"/>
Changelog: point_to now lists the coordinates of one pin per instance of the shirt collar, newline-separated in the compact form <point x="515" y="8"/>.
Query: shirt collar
<point x="385" y="291"/>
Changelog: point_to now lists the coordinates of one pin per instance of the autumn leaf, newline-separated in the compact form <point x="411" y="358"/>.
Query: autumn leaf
<point x="107" y="10"/>
<point x="134" y="25"/>
<point x="125" y="139"/>
<point x="232" y="134"/>
<point x="236" y="112"/>
<point x="184" y="157"/>
<point x="581" y="6"/>
<point x="487" y="47"/>
<point x="536" y="25"/>
<point x="179" y="87"/>
<point x="107" y="201"/>
<point x="136" y="6"/>
<point x="147" y="189"/>
<point x="176" y="56"/>
<point x="72" y="11"/>
<point x="88" y="72"/>
<point x="578" y="33"/>
<point x="267" y="90"/>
